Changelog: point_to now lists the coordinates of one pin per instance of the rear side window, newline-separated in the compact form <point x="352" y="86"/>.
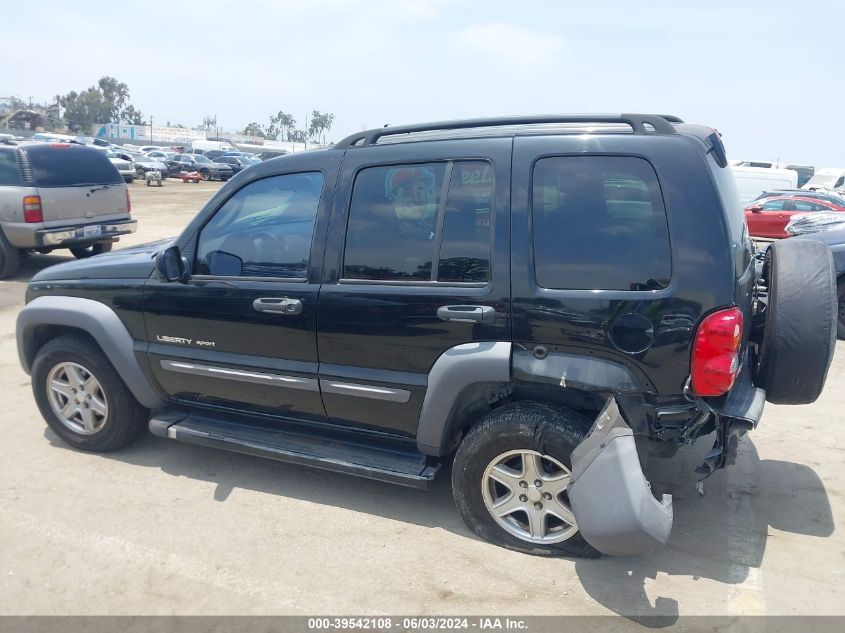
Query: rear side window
<point x="10" y="174"/>
<point x="801" y="205"/>
<point x="599" y="223"/>
<point x="423" y="222"/>
<point x="71" y="166"/>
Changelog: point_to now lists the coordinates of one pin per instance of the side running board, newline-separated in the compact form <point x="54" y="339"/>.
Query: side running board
<point x="298" y="446"/>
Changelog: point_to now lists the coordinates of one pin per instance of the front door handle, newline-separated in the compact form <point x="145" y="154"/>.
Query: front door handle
<point x="467" y="314"/>
<point x="278" y="305"/>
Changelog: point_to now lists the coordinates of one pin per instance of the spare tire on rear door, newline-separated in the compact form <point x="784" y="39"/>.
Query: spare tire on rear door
<point x="800" y="321"/>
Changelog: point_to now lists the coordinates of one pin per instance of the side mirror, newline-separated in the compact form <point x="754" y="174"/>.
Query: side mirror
<point x="171" y="265"/>
<point x="756" y="208"/>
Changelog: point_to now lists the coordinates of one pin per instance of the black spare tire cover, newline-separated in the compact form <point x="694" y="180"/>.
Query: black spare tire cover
<point x="800" y="321"/>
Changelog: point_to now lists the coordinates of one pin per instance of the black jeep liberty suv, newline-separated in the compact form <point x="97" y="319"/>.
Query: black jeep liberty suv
<point x="544" y="300"/>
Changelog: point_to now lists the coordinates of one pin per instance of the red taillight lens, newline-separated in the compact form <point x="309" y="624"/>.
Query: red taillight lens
<point x="32" y="209"/>
<point x="715" y="354"/>
<point x="128" y="202"/>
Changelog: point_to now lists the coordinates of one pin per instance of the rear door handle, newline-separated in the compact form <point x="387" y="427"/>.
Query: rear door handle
<point x="467" y="314"/>
<point x="278" y="305"/>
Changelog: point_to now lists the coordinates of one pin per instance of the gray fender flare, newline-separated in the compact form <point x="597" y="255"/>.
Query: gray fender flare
<point x="101" y="323"/>
<point x="455" y="369"/>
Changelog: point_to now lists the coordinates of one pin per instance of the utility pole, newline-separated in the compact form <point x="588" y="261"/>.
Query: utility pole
<point x="151" y="128"/>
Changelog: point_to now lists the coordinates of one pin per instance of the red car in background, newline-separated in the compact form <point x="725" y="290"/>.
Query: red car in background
<point x="769" y="217"/>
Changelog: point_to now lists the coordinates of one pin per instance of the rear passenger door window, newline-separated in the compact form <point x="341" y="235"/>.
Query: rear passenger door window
<point x="599" y="223"/>
<point x="803" y="206"/>
<point x="426" y="222"/>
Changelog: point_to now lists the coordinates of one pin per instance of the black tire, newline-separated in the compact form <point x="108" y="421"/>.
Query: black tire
<point x="81" y="252"/>
<point x="548" y="429"/>
<point x="840" y="298"/>
<point x="800" y="322"/>
<point x="10" y="258"/>
<point x="125" y="418"/>
<point x="206" y="175"/>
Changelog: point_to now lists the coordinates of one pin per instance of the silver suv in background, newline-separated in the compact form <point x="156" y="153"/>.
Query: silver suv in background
<point x="126" y="168"/>
<point x="59" y="195"/>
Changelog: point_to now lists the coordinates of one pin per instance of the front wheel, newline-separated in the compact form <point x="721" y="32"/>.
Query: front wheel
<point x="840" y="314"/>
<point x="510" y="479"/>
<point x="82" y="398"/>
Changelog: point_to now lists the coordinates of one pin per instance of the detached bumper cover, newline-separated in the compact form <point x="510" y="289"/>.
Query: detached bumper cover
<point x="612" y="501"/>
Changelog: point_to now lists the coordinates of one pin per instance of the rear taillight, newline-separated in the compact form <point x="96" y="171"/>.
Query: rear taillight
<point x="32" y="209"/>
<point x="128" y="202"/>
<point x="715" y="354"/>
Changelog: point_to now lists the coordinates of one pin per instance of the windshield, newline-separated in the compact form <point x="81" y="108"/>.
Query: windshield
<point x="201" y="159"/>
<point x="109" y="153"/>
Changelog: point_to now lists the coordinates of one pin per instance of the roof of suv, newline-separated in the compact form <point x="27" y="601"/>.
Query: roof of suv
<point x="645" y="124"/>
<point x="512" y="125"/>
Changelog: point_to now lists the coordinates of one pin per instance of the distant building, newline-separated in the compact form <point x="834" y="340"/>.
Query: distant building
<point x="22" y="120"/>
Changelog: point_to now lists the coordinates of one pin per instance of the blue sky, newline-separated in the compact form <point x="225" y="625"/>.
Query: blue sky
<point x="769" y="75"/>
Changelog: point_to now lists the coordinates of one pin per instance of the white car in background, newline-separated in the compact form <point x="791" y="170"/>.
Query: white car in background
<point x="160" y="154"/>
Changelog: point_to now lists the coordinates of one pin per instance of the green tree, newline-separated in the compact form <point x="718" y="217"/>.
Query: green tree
<point x="296" y="136"/>
<point x="280" y="124"/>
<point x="132" y="116"/>
<point x="115" y="97"/>
<point x="320" y="122"/>
<point x="253" y="129"/>
<point x="105" y="102"/>
<point x="84" y="109"/>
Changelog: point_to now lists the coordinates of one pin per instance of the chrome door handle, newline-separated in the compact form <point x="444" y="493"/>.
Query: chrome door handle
<point x="278" y="305"/>
<point x="467" y="314"/>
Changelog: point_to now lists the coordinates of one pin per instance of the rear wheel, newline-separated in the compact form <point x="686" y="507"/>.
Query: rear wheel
<point x="82" y="398"/>
<point x="511" y="475"/>
<point x="840" y="298"/>
<point x="10" y="258"/>
<point x="81" y="252"/>
<point x="206" y="175"/>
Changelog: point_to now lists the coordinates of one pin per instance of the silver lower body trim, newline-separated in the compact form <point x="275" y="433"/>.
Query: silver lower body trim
<point x="254" y="377"/>
<point x="365" y="391"/>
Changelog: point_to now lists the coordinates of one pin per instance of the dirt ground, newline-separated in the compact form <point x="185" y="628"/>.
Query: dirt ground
<point x="169" y="528"/>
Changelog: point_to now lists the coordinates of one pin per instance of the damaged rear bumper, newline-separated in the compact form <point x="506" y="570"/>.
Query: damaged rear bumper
<point x="611" y="499"/>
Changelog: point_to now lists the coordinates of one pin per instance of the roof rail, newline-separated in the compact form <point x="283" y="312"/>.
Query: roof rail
<point x="662" y="124"/>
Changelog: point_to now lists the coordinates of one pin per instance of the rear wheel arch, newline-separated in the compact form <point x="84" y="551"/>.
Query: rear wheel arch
<point x="479" y="399"/>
